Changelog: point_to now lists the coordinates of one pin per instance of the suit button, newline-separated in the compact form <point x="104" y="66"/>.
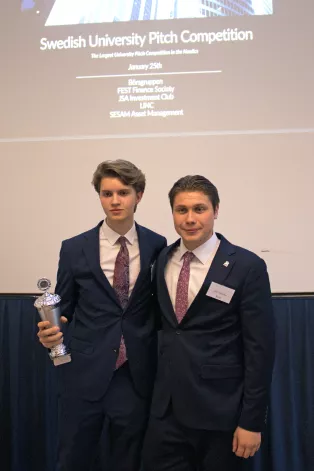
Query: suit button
<point x="115" y="350"/>
<point x="178" y="332"/>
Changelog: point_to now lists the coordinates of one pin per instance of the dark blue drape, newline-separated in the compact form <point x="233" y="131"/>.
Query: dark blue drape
<point x="28" y="400"/>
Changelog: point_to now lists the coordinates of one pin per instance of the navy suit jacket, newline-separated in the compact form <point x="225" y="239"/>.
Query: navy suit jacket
<point x="216" y="365"/>
<point x="97" y="320"/>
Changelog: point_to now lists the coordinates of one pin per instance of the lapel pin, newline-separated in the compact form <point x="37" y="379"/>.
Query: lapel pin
<point x="226" y="264"/>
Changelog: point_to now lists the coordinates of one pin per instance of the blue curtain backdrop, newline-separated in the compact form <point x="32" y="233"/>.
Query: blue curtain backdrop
<point x="28" y="399"/>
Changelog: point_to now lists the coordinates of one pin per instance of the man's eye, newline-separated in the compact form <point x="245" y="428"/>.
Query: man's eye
<point x="106" y="194"/>
<point x="200" y="209"/>
<point x="123" y="193"/>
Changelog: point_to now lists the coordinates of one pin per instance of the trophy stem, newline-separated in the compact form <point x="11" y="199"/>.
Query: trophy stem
<point x="59" y="355"/>
<point x="58" y="350"/>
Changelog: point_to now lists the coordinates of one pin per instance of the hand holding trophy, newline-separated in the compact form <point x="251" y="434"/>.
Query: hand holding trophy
<point x="48" y="306"/>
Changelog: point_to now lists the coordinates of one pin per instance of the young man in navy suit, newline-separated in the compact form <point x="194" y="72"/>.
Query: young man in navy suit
<point x="216" y="347"/>
<point x="104" y="280"/>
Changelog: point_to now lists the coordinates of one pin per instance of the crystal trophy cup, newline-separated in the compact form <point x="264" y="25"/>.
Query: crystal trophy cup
<point x="48" y="306"/>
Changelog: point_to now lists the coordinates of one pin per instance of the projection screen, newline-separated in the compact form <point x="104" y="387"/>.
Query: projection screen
<point x="221" y="88"/>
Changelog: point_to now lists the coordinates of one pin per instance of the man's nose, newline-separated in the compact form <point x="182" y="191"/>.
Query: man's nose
<point x="190" y="219"/>
<point x="115" y="199"/>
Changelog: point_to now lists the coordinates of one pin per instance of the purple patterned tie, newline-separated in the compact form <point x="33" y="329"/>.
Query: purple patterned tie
<point x="121" y="287"/>
<point x="182" y="302"/>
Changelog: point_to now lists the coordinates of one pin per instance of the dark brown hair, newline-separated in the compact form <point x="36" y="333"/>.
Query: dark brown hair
<point x="195" y="183"/>
<point x="125" y="171"/>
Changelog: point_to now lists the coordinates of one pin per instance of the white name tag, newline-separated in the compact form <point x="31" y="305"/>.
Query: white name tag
<point x="220" y="292"/>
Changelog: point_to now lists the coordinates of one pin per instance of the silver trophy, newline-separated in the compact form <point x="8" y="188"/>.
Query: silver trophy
<point x="48" y="306"/>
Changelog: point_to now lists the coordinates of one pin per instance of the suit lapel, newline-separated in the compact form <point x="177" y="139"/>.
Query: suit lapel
<point x="145" y="251"/>
<point x="218" y="272"/>
<point x="91" y="251"/>
<point x="163" y="293"/>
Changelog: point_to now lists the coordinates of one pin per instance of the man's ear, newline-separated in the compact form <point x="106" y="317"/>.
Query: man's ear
<point x="216" y="212"/>
<point x="139" y="196"/>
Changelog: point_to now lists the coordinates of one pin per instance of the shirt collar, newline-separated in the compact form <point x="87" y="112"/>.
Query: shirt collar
<point x="112" y="236"/>
<point x="204" y="251"/>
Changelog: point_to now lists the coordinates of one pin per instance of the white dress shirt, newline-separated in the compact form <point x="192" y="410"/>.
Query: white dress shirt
<point x="200" y="264"/>
<point x="109" y="248"/>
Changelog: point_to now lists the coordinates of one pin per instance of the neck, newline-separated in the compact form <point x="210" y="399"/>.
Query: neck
<point x="121" y="227"/>
<point x="192" y="245"/>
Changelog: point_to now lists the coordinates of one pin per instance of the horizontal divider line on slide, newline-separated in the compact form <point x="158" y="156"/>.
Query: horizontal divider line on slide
<point x="151" y="73"/>
<point x="97" y="137"/>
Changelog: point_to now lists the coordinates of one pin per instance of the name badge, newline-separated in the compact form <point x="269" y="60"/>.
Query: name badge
<point x="220" y="292"/>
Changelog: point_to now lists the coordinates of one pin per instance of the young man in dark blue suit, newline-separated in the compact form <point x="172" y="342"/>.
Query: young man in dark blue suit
<point x="104" y="280"/>
<point x="216" y="346"/>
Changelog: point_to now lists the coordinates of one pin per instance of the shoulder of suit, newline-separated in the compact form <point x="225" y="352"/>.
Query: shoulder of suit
<point x="247" y="257"/>
<point x="79" y="238"/>
<point x="170" y="248"/>
<point x="150" y="233"/>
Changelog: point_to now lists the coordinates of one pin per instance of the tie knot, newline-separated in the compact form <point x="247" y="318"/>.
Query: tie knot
<point x="187" y="257"/>
<point x="122" y="241"/>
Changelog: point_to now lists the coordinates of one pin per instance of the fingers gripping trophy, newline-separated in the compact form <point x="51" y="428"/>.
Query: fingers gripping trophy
<point x="48" y="306"/>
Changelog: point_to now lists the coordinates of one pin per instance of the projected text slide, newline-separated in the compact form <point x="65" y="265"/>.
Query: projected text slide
<point x="154" y="66"/>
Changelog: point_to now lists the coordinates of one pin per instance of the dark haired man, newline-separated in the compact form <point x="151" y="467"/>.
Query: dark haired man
<point x="217" y="343"/>
<point x="104" y="280"/>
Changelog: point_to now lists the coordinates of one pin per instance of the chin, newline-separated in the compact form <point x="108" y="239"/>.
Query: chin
<point x="193" y="237"/>
<point x="120" y="216"/>
<point x="116" y="217"/>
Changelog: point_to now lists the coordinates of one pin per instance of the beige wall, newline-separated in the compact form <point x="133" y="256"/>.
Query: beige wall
<point x="265" y="184"/>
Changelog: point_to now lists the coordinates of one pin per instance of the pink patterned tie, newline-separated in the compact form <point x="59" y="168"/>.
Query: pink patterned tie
<point x="121" y="287"/>
<point x="182" y="302"/>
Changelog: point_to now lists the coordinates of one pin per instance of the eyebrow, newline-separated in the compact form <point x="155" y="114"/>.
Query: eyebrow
<point x="182" y="206"/>
<point x="112" y="191"/>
